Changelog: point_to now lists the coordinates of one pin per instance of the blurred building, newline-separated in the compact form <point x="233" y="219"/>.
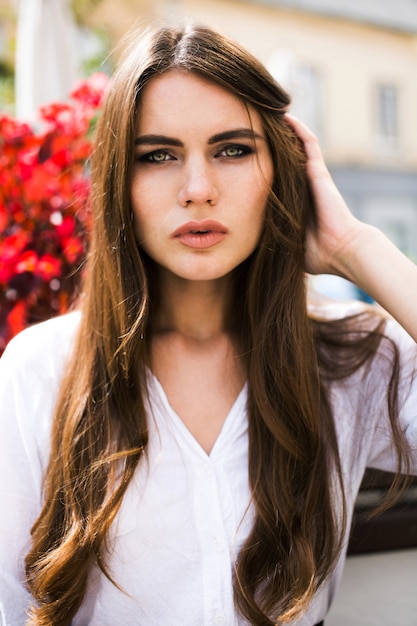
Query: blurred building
<point x="351" y="67"/>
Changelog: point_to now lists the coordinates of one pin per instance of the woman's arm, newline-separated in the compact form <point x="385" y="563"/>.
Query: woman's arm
<point x="340" y="244"/>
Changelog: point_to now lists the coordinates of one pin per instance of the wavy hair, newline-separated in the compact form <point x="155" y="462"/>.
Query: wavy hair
<point x="100" y="429"/>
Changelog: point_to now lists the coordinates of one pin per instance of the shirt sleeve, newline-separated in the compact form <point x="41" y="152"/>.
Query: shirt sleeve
<point x="381" y="453"/>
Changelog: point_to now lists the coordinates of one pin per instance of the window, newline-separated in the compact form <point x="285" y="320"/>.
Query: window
<point x="307" y="97"/>
<point x="387" y="127"/>
<point x="303" y="83"/>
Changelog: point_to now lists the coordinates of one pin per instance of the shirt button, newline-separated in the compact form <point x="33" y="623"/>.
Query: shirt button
<point x="207" y="469"/>
<point x="220" y="619"/>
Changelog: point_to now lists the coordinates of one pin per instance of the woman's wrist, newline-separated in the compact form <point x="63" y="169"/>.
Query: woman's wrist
<point x="358" y="258"/>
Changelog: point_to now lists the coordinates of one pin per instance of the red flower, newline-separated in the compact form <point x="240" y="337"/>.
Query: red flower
<point x="13" y="131"/>
<point x="92" y="91"/>
<point x="64" y="118"/>
<point x="48" y="267"/>
<point x="13" y="245"/>
<point x="44" y="207"/>
<point x="64" y="225"/>
<point x="4" y="218"/>
<point x="17" y="319"/>
<point x="74" y="249"/>
<point x="27" y="262"/>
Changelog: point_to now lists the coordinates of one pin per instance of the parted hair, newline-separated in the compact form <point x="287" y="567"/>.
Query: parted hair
<point x="100" y="429"/>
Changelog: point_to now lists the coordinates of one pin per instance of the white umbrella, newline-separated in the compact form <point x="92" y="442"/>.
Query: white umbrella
<point x="46" y="59"/>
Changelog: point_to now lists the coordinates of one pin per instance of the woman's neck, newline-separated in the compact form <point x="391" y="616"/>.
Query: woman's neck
<point x="195" y="309"/>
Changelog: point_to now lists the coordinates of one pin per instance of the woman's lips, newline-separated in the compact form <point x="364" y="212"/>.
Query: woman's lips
<point x="201" y="235"/>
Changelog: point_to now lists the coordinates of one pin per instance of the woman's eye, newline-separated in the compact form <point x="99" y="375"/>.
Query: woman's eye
<point x="235" y="151"/>
<point x="157" y="156"/>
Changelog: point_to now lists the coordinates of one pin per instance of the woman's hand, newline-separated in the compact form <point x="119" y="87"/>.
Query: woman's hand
<point x="336" y="233"/>
<point x="340" y="244"/>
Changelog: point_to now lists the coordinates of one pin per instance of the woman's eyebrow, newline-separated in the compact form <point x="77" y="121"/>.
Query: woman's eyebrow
<point x="158" y="140"/>
<point x="238" y="133"/>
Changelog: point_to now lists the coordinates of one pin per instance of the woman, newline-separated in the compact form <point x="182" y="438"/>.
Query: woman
<point x="187" y="447"/>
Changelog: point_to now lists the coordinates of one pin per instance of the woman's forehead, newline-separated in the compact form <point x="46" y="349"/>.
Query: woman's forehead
<point x="187" y="98"/>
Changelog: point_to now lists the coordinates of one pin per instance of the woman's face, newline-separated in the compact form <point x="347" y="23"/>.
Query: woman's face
<point x="201" y="178"/>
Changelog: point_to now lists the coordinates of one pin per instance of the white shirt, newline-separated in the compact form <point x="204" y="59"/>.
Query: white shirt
<point x="186" y="513"/>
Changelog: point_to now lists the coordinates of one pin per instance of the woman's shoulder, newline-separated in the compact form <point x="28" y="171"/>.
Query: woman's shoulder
<point x="42" y="342"/>
<point x="355" y="320"/>
<point x="31" y="369"/>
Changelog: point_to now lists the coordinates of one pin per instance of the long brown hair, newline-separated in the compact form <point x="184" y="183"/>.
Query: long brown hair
<point x="100" y="429"/>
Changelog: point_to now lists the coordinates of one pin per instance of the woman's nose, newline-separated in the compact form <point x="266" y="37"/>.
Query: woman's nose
<point x="198" y="185"/>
